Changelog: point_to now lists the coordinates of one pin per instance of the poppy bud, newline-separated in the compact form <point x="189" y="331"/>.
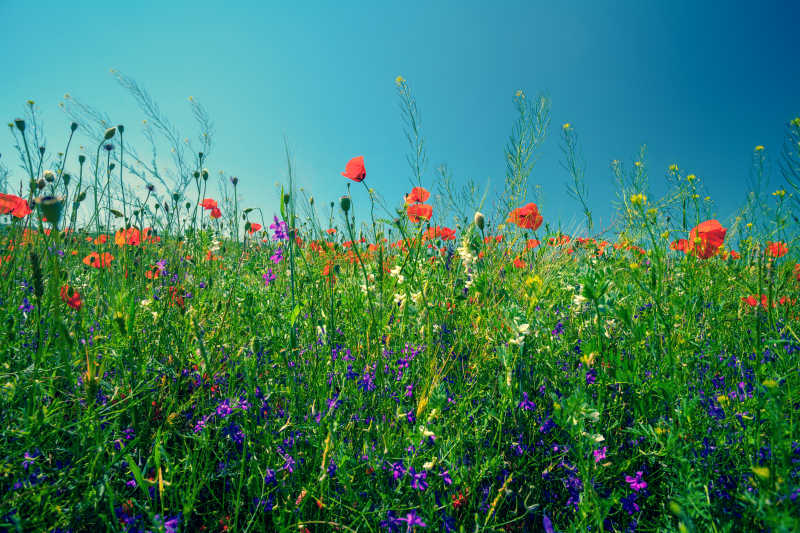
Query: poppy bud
<point x="175" y="197"/>
<point x="286" y="198"/>
<point x="41" y="183"/>
<point x="235" y="181"/>
<point x="112" y="166"/>
<point x="311" y="200"/>
<point x="196" y="174"/>
<point x="41" y="150"/>
<point x="81" y="196"/>
<point x="344" y="202"/>
<point x="109" y="133"/>
<point x="49" y="176"/>
<point x="200" y="155"/>
<point x="205" y="174"/>
<point x="151" y="187"/>
<point x="81" y="159"/>
<point x="73" y="126"/>
<point x="121" y="129"/>
<point x="50" y="207"/>
<point x="480" y="221"/>
<point x="166" y="207"/>
<point x="66" y="178"/>
<point x="20" y="124"/>
<point x="188" y="205"/>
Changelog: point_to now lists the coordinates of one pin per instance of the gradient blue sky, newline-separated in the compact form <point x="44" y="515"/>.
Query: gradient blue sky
<point x="700" y="83"/>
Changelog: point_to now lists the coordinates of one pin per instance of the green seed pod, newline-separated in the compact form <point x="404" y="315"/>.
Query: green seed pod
<point x="109" y="133"/>
<point x="480" y="221"/>
<point x="344" y="203"/>
<point x="81" y="159"/>
<point x="20" y="124"/>
<point x="73" y="126"/>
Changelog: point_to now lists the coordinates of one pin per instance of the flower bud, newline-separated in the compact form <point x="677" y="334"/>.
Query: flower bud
<point x="109" y="133"/>
<point x="151" y="187"/>
<point x="81" y="159"/>
<point x="196" y="174"/>
<point x="41" y="150"/>
<point x="20" y="124"/>
<point x="121" y="129"/>
<point x="344" y="203"/>
<point x="66" y="178"/>
<point x="234" y="180"/>
<point x="205" y="174"/>
<point x="81" y="196"/>
<point x="73" y="126"/>
<point x="41" y="183"/>
<point x="286" y="198"/>
<point x="175" y="197"/>
<point x="50" y="207"/>
<point x="49" y="177"/>
<point x="311" y="200"/>
<point x="480" y="221"/>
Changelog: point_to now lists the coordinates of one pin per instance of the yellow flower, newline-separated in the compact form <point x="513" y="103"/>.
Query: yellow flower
<point x="761" y="471"/>
<point x="652" y="212"/>
<point x="639" y="199"/>
<point x="566" y="126"/>
<point x="520" y="94"/>
<point x="707" y="198"/>
<point x="695" y="196"/>
<point x="779" y="193"/>
<point x="399" y="80"/>
<point x="749" y="225"/>
<point x="665" y="235"/>
<point x="634" y="266"/>
<point x="796" y="122"/>
<point x="691" y="177"/>
<point x="637" y="163"/>
<point x="673" y="167"/>
<point x="759" y="148"/>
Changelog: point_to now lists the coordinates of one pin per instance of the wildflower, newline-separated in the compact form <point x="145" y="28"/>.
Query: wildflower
<point x="776" y="249"/>
<point x="532" y="244"/>
<point x="215" y="213"/>
<point x="71" y="297"/>
<point x="14" y="205"/>
<point x="129" y="236"/>
<point x="681" y="245"/>
<point x="208" y="203"/>
<point x="519" y="263"/>
<point x="412" y="519"/>
<point x="759" y="148"/>
<point x="526" y="217"/>
<point x="639" y="199"/>
<point x="254" y="227"/>
<point x="399" y="80"/>
<point x="526" y="404"/>
<point x="416" y="212"/>
<point x="600" y="454"/>
<point x="98" y="260"/>
<point x="418" y="195"/>
<point x="706" y="239"/>
<point x="418" y="479"/>
<point x="277" y="256"/>
<point x="280" y="230"/>
<point x="355" y="169"/>
<point x="636" y="482"/>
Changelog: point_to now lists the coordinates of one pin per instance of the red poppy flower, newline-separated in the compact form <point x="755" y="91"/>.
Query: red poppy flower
<point x="129" y="236"/>
<point x="147" y="236"/>
<point x="416" y="212"/>
<point x="681" y="245"/>
<point x="418" y="194"/>
<point x="98" y="260"/>
<point x="254" y="227"/>
<point x="355" y="169"/>
<point x="735" y="255"/>
<point x="208" y="203"/>
<point x="526" y="217"/>
<point x="706" y="238"/>
<point x="14" y="205"/>
<point x="797" y="271"/>
<point x="101" y="239"/>
<point x="330" y="231"/>
<point x="777" y="249"/>
<point x="71" y="297"/>
<point x="519" y="263"/>
<point x="532" y="243"/>
<point x="215" y="212"/>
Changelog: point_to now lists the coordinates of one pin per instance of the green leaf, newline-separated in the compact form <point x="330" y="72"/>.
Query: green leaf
<point x="294" y="315"/>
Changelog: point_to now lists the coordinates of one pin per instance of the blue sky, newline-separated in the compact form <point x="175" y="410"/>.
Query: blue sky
<point x="701" y="85"/>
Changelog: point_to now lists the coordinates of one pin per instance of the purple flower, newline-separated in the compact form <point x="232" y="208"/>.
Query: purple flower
<point x="591" y="376"/>
<point x="526" y="404"/>
<point x="277" y="256"/>
<point x="636" y="483"/>
<point x="600" y="454"/>
<point x="398" y="470"/>
<point x="224" y="409"/>
<point x="26" y="306"/>
<point x="170" y="525"/>
<point x="413" y="519"/>
<point x="547" y="524"/>
<point x="629" y="504"/>
<point x="269" y="277"/>
<point x="445" y="475"/>
<point x="280" y="230"/>
<point x="418" y="479"/>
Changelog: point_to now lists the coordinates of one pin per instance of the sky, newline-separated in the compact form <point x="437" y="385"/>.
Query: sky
<point x="700" y="84"/>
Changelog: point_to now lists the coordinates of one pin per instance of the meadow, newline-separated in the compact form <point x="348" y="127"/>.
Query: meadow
<point x="175" y="359"/>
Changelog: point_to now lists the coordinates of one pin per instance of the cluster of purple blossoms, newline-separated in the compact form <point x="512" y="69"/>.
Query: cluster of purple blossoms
<point x="280" y="230"/>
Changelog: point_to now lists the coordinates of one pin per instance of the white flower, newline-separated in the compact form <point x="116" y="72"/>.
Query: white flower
<point x="400" y="299"/>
